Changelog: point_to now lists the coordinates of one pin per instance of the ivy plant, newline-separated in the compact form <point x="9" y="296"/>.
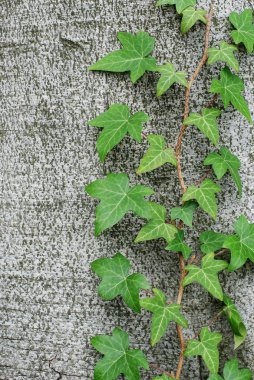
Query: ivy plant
<point x="117" y="196"/>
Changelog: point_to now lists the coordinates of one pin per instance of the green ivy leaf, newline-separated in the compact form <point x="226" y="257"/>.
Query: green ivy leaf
<point x="225" y="53"/>
<point x="184" y="213"/>
<point x="244" y="32"/>
<point x="223" y="162"/>
<point x="207" y="347"/>
<point x="204" y="195"/>
<point x="206" y="122"/>
<point x="241" y="245"/>
<point x="163" y="314"/>
<point x="168" y="77"/>
<point x="157" y="155"/>
<point x="178" y="245"/>
<point x="235" y="321"/>
<point x="207" y="275"/>
<point x="133" y="57"/>
<point x="232" y="372"/>
<point x="116" y="280"/>
<point x="163" y="377"/>
<point x="230" y="87"/>
<point x="190" y="17"/>
<point x="117" y="198"/>
<point x="156" y="227"/>
<point x="117" y="123"/>
<point x="212" y="241"/>
<point x="118" y="358"/>
<point x="180" y="4"/>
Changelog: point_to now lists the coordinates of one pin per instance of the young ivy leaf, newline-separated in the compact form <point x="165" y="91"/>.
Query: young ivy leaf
<point x="207" y="347"/>
<point x="212" y="241"/>
<point x="190" y="17"/>
<point x="118" y="358"/>
<point x="235" y="321"/>
<point x="231" y="371"/>
<point x="163" y="314"/>
<point x="244" y="32"/>
<point x="117" y="198"/>
<point x="230" y="87"/>
<point x="117" y="122"/>
<point x="207" y="275"/>
<point x="116" y="280"/>
<point x="241" y="245"/>
<point x="134" y="56"/>
<point x="168" y="77"/>
<point x="223" y="162"/>
<point x="180" y="4"/>
<point x="157" y="155"/>
<point x="206" y="122"/>
<point x="178" y="245"/>
<point x="184" y="213"/>
<point x="225" y="53"/>
<point x="156" y="227"/>
<point x="204" y="195"/>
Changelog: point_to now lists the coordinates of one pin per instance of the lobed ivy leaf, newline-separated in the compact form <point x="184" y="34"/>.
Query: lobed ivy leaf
<point x="169" y="76"/>
<point x="225" y="53"/>
<point x="206" y="122"/>
<point x="117" y="198"/>
<point x="134" y="56"/>
<point x="207" y="347"/>
<point x="244" y="26"/>
<point x="116" y="280"/>
<point x="223" y="162"/>
<point x="204" y="195"/>
<point x="178" y="245"/>
<point x="231" y="371"/>
<point x="156" y="227"/>
<point x="241" y="244"/>
<point x="211" y="241"/>
<point x="118" y="358"/>
<point x="163" y="314"/>
<point x="235" y="321"/>
<point x="157" y="155"/>
<point x="230" y="87"/>
<point x="190" y="17"/>
<point x="184" y="213"/>
<point x="117" y="122"/>
<point x="207" y="275"/>
<point x="180" y="4"/>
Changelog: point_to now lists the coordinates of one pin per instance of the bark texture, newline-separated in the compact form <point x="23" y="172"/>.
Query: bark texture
<point x="49" y="304"/>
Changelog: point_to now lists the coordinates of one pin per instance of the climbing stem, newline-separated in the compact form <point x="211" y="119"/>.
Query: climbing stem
<point x="181" y="180"/>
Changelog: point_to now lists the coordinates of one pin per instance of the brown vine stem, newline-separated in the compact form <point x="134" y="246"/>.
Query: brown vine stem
<point x="181" y="180"/>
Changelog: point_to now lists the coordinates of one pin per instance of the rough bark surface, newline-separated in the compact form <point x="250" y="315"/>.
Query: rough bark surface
<point x="49" y="304"/>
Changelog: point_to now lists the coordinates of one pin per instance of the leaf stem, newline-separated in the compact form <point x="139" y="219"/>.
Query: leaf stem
<point x="181" y="180"/>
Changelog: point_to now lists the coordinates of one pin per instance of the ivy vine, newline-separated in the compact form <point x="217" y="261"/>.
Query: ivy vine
<point x="117" y="197"/>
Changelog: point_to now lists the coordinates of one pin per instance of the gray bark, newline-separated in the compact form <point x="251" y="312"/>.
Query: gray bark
<point x="49" y="304"/>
